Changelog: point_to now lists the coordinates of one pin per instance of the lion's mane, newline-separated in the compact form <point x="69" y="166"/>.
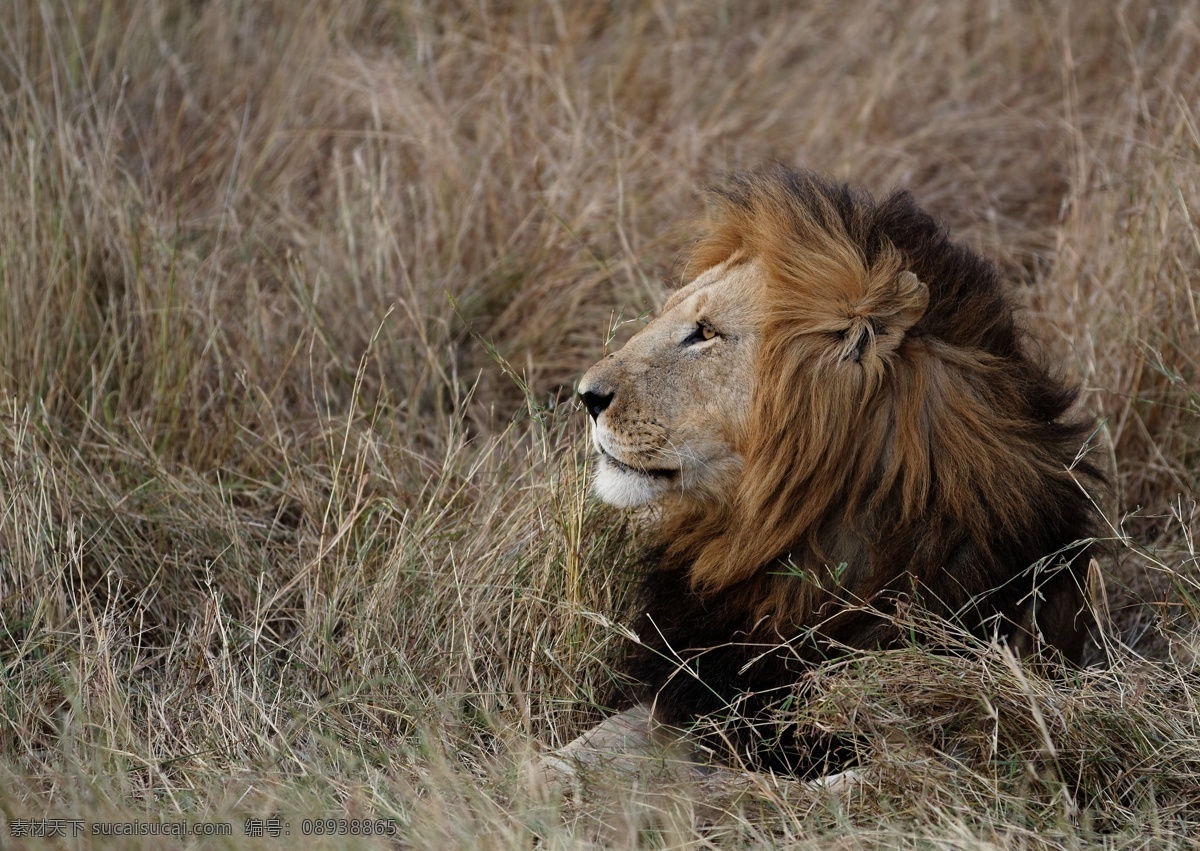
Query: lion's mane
<point x="943" y="472"/>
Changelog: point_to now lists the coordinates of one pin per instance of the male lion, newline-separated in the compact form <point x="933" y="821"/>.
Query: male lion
<point x="838" y="417"/>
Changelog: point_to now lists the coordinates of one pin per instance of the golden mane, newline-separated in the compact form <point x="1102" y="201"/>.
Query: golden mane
<point x="891" y="398"/>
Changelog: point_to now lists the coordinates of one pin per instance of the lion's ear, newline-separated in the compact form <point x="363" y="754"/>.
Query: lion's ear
<point x="880" y="322"/>
<point x="908" y="301"/>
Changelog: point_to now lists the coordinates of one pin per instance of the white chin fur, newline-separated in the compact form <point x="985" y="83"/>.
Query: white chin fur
<point x="626" y="489"/>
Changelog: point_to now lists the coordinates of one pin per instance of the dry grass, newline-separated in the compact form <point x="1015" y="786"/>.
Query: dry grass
<point x="278" y="533"/>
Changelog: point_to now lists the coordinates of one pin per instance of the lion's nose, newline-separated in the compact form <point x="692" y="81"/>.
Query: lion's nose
<point x="595" y="402"/>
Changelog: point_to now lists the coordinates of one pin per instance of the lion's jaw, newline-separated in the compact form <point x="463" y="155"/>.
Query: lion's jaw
<point x="671" y="407"/>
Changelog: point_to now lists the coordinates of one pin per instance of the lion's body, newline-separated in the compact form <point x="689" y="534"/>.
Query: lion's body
<point x="839" y="418"/>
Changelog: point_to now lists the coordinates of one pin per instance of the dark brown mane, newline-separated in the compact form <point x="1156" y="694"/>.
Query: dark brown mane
<point x="903" y="444"/>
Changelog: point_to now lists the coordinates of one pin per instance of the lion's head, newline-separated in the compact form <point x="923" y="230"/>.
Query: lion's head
<point x="672" y="407"/>
<point x="838" y="384"/>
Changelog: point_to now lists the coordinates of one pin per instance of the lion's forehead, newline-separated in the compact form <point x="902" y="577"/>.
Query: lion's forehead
<point x="725" y="293"/>
<point x="731" y="274"/>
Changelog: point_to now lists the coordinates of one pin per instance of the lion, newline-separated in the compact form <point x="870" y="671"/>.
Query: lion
<point x="838" y="417"/>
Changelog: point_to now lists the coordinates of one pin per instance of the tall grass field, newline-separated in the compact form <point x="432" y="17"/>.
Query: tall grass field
<point x="296" y="542"/>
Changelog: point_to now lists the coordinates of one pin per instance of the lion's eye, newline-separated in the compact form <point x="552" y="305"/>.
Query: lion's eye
<point x="703" y="333"/>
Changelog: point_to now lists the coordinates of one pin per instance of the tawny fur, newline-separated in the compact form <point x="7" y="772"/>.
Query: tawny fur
<point x="899" y="445"/>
